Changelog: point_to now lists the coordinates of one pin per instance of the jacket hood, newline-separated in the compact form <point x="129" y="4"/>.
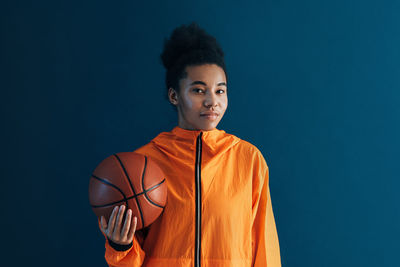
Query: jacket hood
<point x="179" y="140"/>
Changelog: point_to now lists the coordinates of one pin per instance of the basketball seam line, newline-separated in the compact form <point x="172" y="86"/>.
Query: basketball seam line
<point x="125" y="198"/>
<point x="116" y="187"/>
<point x="130" y="183"/>
<point x="146" y="196"/>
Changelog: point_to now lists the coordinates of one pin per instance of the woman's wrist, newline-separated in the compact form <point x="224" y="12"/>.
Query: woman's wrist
<point x="119" y="247"/>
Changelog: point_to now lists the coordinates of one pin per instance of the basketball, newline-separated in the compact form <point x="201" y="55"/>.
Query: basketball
<point x="130" y="179"/>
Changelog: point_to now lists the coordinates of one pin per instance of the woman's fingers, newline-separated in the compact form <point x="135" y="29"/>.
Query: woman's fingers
<point x="132" y="230"/>
<point x="127" y="224"/>
<point x="113" y="230"/>
<point x="103" y="224"/>
<point x="117" y="228"/>
<point x="111" y="222"/>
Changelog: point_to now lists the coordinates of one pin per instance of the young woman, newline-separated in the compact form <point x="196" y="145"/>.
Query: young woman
<point x="218" y="211"/>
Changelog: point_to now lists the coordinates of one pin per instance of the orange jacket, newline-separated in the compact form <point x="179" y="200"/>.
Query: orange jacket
<point x="218" y="210"/>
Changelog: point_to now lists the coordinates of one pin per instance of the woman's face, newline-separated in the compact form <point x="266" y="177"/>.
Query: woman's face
<point x="202" y="93"/>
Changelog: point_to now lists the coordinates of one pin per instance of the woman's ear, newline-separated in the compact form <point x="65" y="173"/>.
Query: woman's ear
<point x="173" y="96"/>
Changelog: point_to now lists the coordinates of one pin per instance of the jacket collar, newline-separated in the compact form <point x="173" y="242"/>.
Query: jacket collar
<point x="193" y="134"/>
<point x="178" y="139"/>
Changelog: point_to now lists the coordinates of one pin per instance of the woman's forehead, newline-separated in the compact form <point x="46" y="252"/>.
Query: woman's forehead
<point x="207" y="74"/>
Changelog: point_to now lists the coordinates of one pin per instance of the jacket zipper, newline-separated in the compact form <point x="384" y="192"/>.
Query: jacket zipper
<point x="198" y="202"/>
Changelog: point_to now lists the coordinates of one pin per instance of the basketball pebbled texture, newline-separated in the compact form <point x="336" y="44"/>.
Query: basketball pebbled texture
<point x="131" y="179"/>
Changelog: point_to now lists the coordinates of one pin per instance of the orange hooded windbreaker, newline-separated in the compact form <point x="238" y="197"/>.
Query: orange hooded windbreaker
<point x="218" y="211"/>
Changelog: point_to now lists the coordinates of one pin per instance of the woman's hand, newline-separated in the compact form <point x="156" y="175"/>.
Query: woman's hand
<point x="113" y="229"/>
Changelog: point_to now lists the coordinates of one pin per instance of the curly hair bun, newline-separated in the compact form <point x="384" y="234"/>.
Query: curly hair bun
<point x="189" y="42"/>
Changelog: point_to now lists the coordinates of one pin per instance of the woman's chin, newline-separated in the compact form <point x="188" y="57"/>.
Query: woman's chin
<point x="208" y="126"/>
<point x="204" y="125"/>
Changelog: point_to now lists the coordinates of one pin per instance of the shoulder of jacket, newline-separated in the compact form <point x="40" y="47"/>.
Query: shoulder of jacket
<point x="145" y="148"/>
<point x="248" y="146"/>
<point x="252" y="151"/>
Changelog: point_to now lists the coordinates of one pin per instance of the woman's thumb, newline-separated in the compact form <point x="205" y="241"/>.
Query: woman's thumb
<point x="103" y="224"/>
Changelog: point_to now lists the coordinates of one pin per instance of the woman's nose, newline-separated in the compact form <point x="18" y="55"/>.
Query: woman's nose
<point x="210" y="100"/>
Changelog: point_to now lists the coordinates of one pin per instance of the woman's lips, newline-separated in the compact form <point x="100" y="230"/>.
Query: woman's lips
<point x="209" y="116"/>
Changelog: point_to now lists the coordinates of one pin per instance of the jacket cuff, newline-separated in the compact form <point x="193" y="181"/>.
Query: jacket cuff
<point x="119" y="247"/>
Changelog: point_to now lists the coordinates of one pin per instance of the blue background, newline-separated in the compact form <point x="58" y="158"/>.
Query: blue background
<point x="313" y="84"/>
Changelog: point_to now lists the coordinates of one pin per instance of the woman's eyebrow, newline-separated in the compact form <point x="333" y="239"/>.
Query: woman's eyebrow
<point x="203" y="83"/>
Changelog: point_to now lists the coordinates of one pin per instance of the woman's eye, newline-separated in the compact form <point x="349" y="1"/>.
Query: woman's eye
<point x="199" y="90"/>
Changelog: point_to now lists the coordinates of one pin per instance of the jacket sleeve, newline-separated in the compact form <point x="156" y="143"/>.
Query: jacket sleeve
<point x="132" y="255"/>
<point x="265" y="243"/>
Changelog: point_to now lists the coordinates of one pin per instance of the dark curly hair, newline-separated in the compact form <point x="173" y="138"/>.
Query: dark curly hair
<point x="189" y="46"/>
